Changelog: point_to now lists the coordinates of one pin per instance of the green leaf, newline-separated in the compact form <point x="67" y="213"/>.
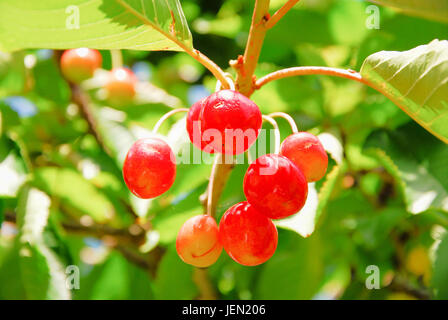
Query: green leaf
<point x="440" y="277"/>
<point x="430" y="9"/>
<point x="174" y="278"/>
<point x="75" y="191"/>
<point x="101" y="24"/>
<point x="297" y="258"/>
<point x="417" y="161"/>
<point x="42" y="274"/>
<point x="416" y="81"/>
<point x="32" y="214"/>
<point x="12" y="168"/>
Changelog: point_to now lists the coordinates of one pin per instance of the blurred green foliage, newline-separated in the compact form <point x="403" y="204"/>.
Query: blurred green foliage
<point x="385" y="203"/>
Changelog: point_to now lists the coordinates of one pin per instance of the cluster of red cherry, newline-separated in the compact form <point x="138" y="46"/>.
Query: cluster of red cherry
<point x="275" y="185"/>
<point x="226" y="122"/>
<point x="80" y="64"/>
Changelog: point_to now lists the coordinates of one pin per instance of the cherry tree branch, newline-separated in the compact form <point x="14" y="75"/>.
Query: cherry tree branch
<point x="245" y="65"/>
<point x="280" y="13"/>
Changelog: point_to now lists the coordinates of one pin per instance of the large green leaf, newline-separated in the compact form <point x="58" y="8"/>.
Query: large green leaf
<point x="430" y="9"/>
<point x="415" y="80"/>
<point x="103" y="24"/>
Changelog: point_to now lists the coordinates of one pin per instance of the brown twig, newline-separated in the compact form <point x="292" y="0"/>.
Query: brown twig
<point x="80" y="98"/>
<point x="205" y="286"/>
<point x="400" y="285"/>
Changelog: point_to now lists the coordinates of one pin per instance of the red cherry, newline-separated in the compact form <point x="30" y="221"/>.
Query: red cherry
<point x="249" y="237"/>
<point x="197" y="242"/>
<point x="308" y="153"/>
<point x="80" y="64"/>
<point x="230" y="122"/>
<point x="275" y="186"/>
<point x="149" y="168"/>
<point x="194" y="125"/>
<point x="120" y="87"/>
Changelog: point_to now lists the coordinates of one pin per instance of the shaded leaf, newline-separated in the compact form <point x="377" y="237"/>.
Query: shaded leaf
<point x="440" y="277"/>
<point x="430" y="9"/>
<point x="42" y="274"/>
<point x="417" y="161"/>
<point x="75" y="191"/>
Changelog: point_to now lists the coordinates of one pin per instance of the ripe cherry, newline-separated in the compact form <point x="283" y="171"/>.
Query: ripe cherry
<point x="308" y="153"/>
<point x="275" y="187"/>
<point x="249" y="237"/>
<point x="194" y="125"/>
<point x="149" y="168"/>
<point x="230" y="122"/>
<point x="197" y="242"/>
<point x="80" y="64"/>
<point x="120" y="87"/>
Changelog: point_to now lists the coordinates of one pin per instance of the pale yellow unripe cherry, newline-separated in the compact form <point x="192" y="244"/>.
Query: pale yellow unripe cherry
<point x="197" y="242"/>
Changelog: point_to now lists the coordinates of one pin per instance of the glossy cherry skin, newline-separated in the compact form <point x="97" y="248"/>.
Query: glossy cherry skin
<point x="194" y="125"/>
<point x="275" y="186"/>
<point x="80" y="64"/>
<point x="121" y="87"/>
<point x="308" y="153"/>
<point x="230" y="122"/>
<point x="149" y="169"/>
<point x="198" y="243"/>
<point x="249" y="237"/>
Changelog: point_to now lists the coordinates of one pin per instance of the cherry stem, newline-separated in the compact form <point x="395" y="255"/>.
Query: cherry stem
<point x="301" y="71"/>
<point x="117" y="59"/>
<point x="218" y="159"/>
<point x="280" y="13"/>
<point x="288" y="118"/>
<point x="229" y="82"/>
<point x="276" y="132"/>
<point x="249" y="157"/>
<point x="166" y="116"/>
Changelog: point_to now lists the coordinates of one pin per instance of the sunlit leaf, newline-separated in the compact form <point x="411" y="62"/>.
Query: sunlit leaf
<point x="101" y="24"/>
<point x="416" y="81"/>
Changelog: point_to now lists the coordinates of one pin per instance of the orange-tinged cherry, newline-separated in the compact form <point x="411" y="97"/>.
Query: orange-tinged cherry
<point x="308" y="153"/>
<point x="80" y="64"/>
<point x="249" y="237"/>
<point x="149" y="169"/>
<point x="275" y="186"/>
<point x="198" y="243"/>
<point x="121" y="87"/>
